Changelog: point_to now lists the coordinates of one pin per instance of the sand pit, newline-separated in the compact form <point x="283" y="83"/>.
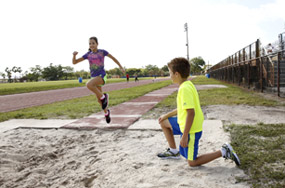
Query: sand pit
<point x="98" y="158"/>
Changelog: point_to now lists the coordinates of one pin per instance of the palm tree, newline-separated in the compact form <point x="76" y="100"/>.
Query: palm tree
<point x="14" y="70"/>
<point x="19" y="70"/>
<point x="9" y="74"/>
<point x="3" y="75"/>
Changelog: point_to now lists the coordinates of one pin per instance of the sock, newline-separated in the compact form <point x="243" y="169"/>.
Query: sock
<point x="175" y="151"/>
<point x="223" y="152"/>
<point x="107" y="113"/>
<point x="103" y="97"/>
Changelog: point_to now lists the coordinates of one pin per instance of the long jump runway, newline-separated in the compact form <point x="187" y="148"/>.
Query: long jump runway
<point x="125" y="114"/>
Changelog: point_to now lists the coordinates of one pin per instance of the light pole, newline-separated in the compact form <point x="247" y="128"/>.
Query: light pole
<point x="186" y="30"/>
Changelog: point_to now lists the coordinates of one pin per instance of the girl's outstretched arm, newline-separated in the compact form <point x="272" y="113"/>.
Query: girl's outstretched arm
<point x="74" y="60"/>
<point x="117" y="62"/>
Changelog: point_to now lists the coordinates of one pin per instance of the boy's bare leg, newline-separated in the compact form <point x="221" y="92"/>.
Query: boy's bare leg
<point x="205" y="158"/>
<point x="167" y="130"/>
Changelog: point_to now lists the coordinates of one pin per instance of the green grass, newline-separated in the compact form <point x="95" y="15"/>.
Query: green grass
<point x="14" y="88"/>
<point x="80" y="107"/>
<point x="203" y="80"/>
<point x="232" y="95"/>
<point x="261" y="151"/>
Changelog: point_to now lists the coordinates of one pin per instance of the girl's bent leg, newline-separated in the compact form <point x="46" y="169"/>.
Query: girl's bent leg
<point x="99" y="101"/>
<point x="93" y="85"/>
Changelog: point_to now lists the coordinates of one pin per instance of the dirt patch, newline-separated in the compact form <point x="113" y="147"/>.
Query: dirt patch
<point x="238" y="114"/>
<point x="243" y="114"/>
<point x="212" y="86"/>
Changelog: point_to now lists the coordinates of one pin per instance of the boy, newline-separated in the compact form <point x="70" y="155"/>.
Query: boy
<point x="188" y="122"/>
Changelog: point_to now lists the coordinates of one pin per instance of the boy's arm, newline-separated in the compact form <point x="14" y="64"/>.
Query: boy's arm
<point x="117" y="62"/>
<point x="166" y="116"/>
<point x="188" y="125"/>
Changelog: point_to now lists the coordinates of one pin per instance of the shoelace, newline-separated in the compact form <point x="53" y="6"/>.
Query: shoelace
<point x="228" y="151"/>
<point x="168" y="150"/>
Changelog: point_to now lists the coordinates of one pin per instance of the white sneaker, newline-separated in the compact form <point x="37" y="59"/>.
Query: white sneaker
<point x="230" y="153"/>
<point x="169" y="155"/>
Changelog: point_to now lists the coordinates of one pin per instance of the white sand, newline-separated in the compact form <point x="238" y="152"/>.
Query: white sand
<point x="120" y="158"/>
<point x="117" y="158"/>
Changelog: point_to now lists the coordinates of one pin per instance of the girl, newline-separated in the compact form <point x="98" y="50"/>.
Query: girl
<point x="95" y="57"/>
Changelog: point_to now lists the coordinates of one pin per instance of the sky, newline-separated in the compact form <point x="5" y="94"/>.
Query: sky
<point x="136" y="32"/>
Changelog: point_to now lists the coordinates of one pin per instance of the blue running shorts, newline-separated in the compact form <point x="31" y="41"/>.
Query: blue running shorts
<point x="190" y="152"/>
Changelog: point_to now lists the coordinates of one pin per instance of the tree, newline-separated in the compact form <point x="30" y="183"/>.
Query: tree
<point x="197" y="65"/>
<point x="15" y="70"/>
<point x="36" y="72"/>
<point x="52" y="72"/>
<point x="133" y="71"/>
<point x="165" y="68"/>
<point x="151" y="70"/>
<point x="68" y="72"/>
<point x="164" y="71"/>
<point x="19" y="70"/>
<point x="9" y="74"/>
<point x="24" y="77"/>
<point x="83" y="74"/>
<point x="3" y="75"/>
<point x="115" y="71"/>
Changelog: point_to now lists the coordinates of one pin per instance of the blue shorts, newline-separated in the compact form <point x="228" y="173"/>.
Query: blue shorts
<point x="190" y="152"/>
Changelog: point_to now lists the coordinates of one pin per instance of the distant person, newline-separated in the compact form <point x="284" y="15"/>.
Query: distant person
<point x="269" y="48"/>
<point x="128" y="77"/>
<point x="96" y="57"/>
<point x="187" y="121"/>
<point x="136" y="78"/>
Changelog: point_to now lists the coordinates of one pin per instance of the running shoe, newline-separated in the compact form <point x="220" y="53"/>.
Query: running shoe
<point x="107" y="116"/>
<point x="105" y="101"/>
<point x="169" y="155"/>
<point x="230" y="153"/>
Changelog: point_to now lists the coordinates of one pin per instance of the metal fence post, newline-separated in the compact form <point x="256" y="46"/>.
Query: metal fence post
<point x="278" y="74"/>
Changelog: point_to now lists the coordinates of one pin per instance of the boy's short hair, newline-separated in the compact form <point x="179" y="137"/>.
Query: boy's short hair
<point x="180" y="65"/>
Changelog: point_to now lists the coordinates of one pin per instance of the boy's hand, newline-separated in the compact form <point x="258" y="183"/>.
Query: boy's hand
<point x="75" y="53"/>
<point x="184" y="141"/>
<point x="161" y="118"/>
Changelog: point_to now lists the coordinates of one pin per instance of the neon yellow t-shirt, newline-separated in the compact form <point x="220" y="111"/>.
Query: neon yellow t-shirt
<point x="188" y="98"/>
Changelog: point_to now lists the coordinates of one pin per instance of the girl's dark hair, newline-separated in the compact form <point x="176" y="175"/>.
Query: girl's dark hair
<point x="180" y="65"/>
<point x="93" y="38"/>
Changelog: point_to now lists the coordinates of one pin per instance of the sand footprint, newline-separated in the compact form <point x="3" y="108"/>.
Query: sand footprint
<point x="88" y="180"/>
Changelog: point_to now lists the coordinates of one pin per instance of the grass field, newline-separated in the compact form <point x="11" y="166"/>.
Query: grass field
<point x="261" y="149"/>
<point x="14" y="88"/>
<point x="232" y="95"/>
<point x="80" y="107"/>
